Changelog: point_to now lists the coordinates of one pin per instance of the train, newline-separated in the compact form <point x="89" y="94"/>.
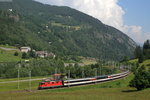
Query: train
<point x="47" y="84"/>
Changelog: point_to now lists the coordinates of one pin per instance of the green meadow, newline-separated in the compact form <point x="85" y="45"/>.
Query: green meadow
<point x="8" y="55"/>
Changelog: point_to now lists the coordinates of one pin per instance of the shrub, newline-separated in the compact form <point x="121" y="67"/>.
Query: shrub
<point x="141" y="79"/>
<point x="16" y="53"/>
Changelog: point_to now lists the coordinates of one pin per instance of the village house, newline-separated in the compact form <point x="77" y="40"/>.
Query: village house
<point x="25" y="49"/>
<point x="41" y="54"/>
<point x="51" y="55"/>
<point x="44" y="54"/>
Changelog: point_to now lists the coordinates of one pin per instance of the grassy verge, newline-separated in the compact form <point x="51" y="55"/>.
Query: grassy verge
<point x="14" y="86"/>
<point x="7" y="46"/>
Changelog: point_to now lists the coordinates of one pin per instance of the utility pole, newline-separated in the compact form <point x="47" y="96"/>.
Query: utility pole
<point x="100" y="70"/>
<point x="69" y="74"/>
<point x="18" y="79"/>
<point x="19" y="76"/>
<point x="68" y="77"/>
<point x="130" y="67"/>
<point x="96" y="72"/>
<point x="55" y="70"/>
<point x="29" y="80"/>
<point x="83" y="73"/>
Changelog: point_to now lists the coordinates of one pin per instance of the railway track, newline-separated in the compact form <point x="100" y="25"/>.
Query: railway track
<point x="35" y="90"/>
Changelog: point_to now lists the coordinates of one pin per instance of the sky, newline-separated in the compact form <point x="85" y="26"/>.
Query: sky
<point x="130" y="16"/>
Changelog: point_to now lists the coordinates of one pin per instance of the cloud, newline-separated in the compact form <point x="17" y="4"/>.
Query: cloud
<point x="137" y="34"/>
<point x="107" y="11"/>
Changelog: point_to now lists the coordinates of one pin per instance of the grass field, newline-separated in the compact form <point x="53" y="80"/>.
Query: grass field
<point x="88" y="61"/>
<point x="14" y="86"/>
<point x="90" y="94"/>
<point x="115" y="90"/>
<point x="146" y="62"/>
<point x="8" y="56"/>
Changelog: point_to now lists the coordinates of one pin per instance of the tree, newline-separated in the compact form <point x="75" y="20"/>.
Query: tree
<point x="24" y="55"/>
<point x="125" y="59"/>
<point x="146" y="49"/>
<point x="141" y="79"/>
<point x="141" y="58"/>
<point x="135" y="67"/>
<point x="137" y="52"/>
<point x="16" y="53"/>
<point x="32" y="54"/>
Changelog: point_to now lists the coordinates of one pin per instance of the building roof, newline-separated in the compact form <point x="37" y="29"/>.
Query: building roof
<point x="25" y="48"/>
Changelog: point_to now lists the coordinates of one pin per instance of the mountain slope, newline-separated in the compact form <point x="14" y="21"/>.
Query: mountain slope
<point x="62" y="30"/>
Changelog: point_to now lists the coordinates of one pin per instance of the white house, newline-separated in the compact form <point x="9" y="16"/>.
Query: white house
<point x="25" y="49"/>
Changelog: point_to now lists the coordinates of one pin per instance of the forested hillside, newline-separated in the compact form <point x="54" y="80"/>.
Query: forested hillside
<point x="61" y="30"/>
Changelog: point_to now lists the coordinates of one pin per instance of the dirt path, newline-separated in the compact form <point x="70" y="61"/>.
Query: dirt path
<point x="8" y="49"/>
<point x="22" y="80"/>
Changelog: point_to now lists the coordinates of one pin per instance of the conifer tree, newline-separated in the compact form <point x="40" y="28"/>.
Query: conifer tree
<point x="146" y="49"/>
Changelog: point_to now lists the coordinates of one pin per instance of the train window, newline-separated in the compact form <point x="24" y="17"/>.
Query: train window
<point x="52" y="82"/>
<point x="42" y="83"/>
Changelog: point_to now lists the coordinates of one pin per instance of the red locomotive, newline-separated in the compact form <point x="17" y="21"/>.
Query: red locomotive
<point x="51" y="83"/>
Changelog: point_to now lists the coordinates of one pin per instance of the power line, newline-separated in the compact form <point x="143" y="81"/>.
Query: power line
<point x="68" y="77"/>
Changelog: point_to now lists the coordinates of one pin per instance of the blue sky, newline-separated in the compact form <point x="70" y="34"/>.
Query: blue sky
<point x="137" y="13"/>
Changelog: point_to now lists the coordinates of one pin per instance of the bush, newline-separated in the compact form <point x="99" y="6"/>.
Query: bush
<point x="16" y="53"/>
<point x="141" y="79"/>
<point x="25" y="55"/>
